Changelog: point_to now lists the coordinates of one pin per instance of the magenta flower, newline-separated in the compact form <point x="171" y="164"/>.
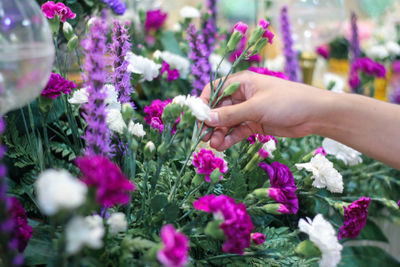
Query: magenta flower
<point x="241" y="28"/>
<point x="112" y="185"/>
<point x="206" y="162"/>
<point x="176" y="247"/>
<point x="21" y="231"/>
<point x="398" y="203"/>
<point x="50" y="9"/>
<point x="154" y="113"/>
<point x="282" y="178"/>
<point x="242" y="45"/>
<point x="57" y="85"/>
<point x="369" y="67"/>
<point x="172" y="74"/>
<point x="320" y="150"/>
<point x="355" y="217"/>
<point x="237" y="225"/>
<point x="323" y="51"/>
<point x="258" y="238"/>
<point x="268" y="72"/>
<point x="155" y="19"/>
<point x="267" y="34"/>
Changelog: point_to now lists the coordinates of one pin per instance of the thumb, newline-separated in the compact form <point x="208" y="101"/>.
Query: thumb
<point x="229" y="116"/>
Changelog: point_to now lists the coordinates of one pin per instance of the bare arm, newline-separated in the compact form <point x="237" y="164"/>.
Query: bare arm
<point x="269" y="105"/>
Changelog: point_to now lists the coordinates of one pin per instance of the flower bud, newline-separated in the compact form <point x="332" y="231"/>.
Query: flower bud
<point x="259" y="46"/>
<point x="234" y="41"/>
<point x="89" y="24"/>
<point x="72" y="43"/>
<point x="308" y="249"/>
<point x="133" y="145"/>
<point x="171" y="112"/>
<point x="55" y="25"/>
<point x="215" y="176"/>
<point x="45" y="104"/>
<point x="255" y="36"/>
<point x="231" y="89"/>
<point x="253" y="163"/>
<point x="258" y="238"/>
<point x="127" y="112"/>
<point x="213" y="230"/>
<point x="149" y="150"/>
<point x="68" y="31"/>
<point x="261" y="193"/>
<point x="162" y="149"/>
<point x="275" y="208"/>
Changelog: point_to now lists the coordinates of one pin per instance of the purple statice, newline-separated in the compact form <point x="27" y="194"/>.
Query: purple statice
<point x="268" y="72"/>
<point x="281" y="179"/>
<point x="355" y="51"/>
<point x="206" y="162"/>
<point x="355" y="218"/>
<point x="291" y="64"/>
<point x="118" y="6"/>
<point x="112" y="185"/>
<point x="198" y="55"/>
<point x="237" y="224"/>
<point x="119" y="47"/>
<point x="57" y="85"/>
<point x="209" y="26"/>
<point x="175" y="247"/>
<point x="97" y="135"/>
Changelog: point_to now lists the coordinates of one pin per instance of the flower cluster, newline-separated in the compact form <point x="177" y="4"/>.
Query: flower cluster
<point x="367" y="66"/>
<point x="240" y="48"/>
<point x="172" y="74"/>
<point x="118" y="6"/>
<point x="112" y="185"/>
<point x="237" y="225"/>
<point x="283" y="186"/>
<point x="51" y="9"/>
<point x="175" y="247"/>
<point x="57" y="85"/>
<point x="268" y="72"/>
<point x="355" y="218"/>
<point x="142" y="66"/>
<point x="269" y="144"/>
<point x="195" y="105"/>
<point x="206" y="162"/>
<point x="154" y="113"/>
<point x="155" y="19"/>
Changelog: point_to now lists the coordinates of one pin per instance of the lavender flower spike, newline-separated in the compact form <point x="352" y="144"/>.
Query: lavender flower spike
<point x="119" y="47"/>
<point x="209" y="26"/>
<point x="97" y="135"/>
<point x="355" y="51"/>
<point x="291" y="64"/>
<point x="199" y="56"/>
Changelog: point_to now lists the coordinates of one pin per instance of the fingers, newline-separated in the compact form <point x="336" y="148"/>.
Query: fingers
<point x="232" y="115"/>
<point x="218" y="136"/>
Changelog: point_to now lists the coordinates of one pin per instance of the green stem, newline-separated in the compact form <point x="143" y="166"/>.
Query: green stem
<point x="46" y="139"/>
<point x="74" y="126"/>
<point x="79" y="60"/>
<point x="32" y="124"/>
<point x="28" y="135"/>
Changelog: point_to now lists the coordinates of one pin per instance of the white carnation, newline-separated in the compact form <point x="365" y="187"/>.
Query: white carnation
<point x="200" y="110"/>
<point x="342" y="152"/>
<point x="79" y="96"/>
<point x="136" y="129"/>
<point x="189" y="12"/>
<point x="87" y="231"/>
<point x="57" y="190"/>
<point x="377" y="52"/>
<point x="117" y="223"/>
<point x="225" y="66"/>
<point x="324" y="174"/>
<point x="270" y="147"/>
<point x="336" y="79"/>
<point x="115" y="120"/>
<point x="393" y="48"/>
<point x="180" y="100"/>
<point x="175" y="61"/>
<point x="322" y="234"/>
<point x="143" y="66"/>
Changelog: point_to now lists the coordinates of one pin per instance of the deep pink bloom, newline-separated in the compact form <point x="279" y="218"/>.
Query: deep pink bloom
<point x="176" y="247"/>
<point x="57" y="85"/>
<point x="252" y="139"/>
<point x="172" y="74"/>
<point x="320" y="150"/>
<point x="241" y="27"/>
<point x="398" y="203"/>
<point x="323" y="51"/>
<point x="282" y="178"/>
<point x="354" y="80"/>
<point x="112" y="185"/>
<point x="155" y="19"/>
<point x="154" y="113"/>
<point x="241" y="46"/>
<point x="237" y="225"/>
<point x="21" y="231"/>
<point x="267" y="34"/>
<point x="206" y="162"/>
<point x="266" y="71"/>
<point x="258" y="238"/>
<point x="50" y="9"/>
<point x="369" y="67"/>
<point x="355" y="217"/>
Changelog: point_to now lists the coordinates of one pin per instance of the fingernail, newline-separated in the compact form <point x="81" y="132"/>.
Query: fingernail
<point x="213" y="118"/>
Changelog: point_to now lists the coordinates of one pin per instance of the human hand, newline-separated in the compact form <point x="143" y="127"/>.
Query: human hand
<point x="265" y="105"/>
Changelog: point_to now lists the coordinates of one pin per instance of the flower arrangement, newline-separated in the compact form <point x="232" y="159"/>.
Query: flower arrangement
<point x="142" y="189"/>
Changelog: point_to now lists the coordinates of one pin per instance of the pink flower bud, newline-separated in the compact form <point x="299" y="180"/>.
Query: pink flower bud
<point x="258" y="238"/>
<point x="241" y="27"/>
<point x="320" y="150"/>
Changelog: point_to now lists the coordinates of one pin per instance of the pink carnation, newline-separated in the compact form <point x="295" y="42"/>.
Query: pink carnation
<point x="155" y="19"/>
<point x="267" y="34"/>
<point x="320" y="150"/>
<point x="176" y="247"/>
<point x="50" y="9"/>
<point x="323" y="51"/>
<point x="355" y="218"/>
<point x="241" y="27"/>
<point x="154" y="113"/>
<point x="237" y="225"/>
<point x="112" y="185"/>
<point x="268" y="72"/>
<point x="21" y="232"/>
<point x="258" y="238"/>
<point x="235" y="54"/>
<point x="206" y="162"/>
<point x="172" y="74"/>
<point x="57" y="85"/>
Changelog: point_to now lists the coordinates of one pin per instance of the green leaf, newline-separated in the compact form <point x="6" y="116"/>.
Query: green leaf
<point x="170" y="43"/>
<point x="158" y="202"/>
<point x="40" y="248"/>
<point x="371" y="231"/>
<point x="171" y="212"/>
<point x="367" y="256"/>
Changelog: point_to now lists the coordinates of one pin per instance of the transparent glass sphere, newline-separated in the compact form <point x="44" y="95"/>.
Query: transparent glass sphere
<point x="314" y="22"/>
<point x="26" y="53"/>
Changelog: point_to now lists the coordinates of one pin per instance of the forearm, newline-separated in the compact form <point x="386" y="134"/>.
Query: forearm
<point x="367" y="125"/>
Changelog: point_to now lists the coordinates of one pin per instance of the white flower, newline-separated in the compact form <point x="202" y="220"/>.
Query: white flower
<point x="176" y="27"/>
<point x="117" y="223"/>
<point x="136" y="129"/>
<point x="57" y="190"/>
<point x="200" y="110"/>
<point x="324" y="174"/>
<point x="322" y="234"/>
<point x="377" y="52"/>
<point x="79" y="96"/>
<point x="333" y="78"/>
<point x="180" y="100"/>
<point x="189" y="12"/>
<point x="342" y="152"/>
<point x="276" y="64"/>
<point x="393" y="48"/>
<point x="84" y="231"/>
<point x="206" y="145"/>
<point x="144" y="66"/>
<point x="269" y="147"/>
<point x="225" y="66"/>
<point x="115" y="120"/>
<point x="175" y="61"/>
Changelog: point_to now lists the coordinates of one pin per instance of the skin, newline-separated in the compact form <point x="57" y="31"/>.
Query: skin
<point x="273" y="106"/>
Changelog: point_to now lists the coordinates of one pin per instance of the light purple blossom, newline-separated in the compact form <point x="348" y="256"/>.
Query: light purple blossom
<point x="118" y="6"/>
<point x="355" y="51"/>
<point x="209" y="26"/>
